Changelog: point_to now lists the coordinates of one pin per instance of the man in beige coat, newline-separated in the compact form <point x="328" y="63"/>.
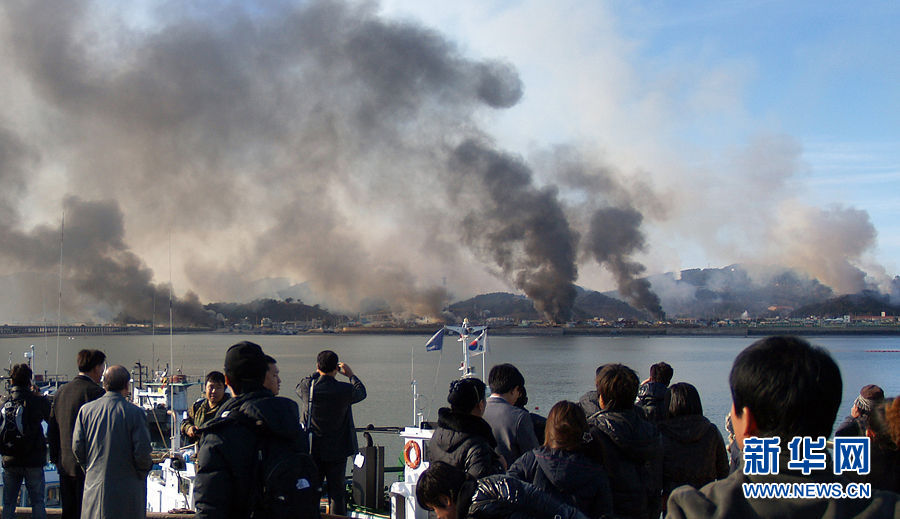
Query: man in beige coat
<point x="112" y="443"/>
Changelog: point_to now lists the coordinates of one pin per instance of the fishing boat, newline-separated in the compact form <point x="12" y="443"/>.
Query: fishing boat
<point x="170" y="485"/>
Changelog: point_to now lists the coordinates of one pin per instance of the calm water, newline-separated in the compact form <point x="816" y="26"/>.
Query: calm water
<point x="555" y="368"/>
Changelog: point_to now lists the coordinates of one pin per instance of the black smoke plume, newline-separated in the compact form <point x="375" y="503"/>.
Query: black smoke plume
<point x="615" y="234"/>
<point x="523" y="229"/>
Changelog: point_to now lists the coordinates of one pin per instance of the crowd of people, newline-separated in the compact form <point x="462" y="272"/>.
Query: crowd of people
<point x="633" y="449"/>
<point x="257" y="455"/>
<point x="626" y="449"/>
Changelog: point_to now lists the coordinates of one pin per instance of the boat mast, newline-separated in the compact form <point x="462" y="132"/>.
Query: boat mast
<point x="62" y="233"/>
<point x="175" y="434"/>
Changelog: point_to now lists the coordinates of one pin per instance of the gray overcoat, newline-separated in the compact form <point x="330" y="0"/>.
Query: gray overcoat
<point x="111" y="442"/>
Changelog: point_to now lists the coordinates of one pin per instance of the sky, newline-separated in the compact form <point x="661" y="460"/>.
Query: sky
<point x="418" y="152"/>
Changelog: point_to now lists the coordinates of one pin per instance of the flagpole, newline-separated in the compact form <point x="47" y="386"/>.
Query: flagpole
<point x="484" y="354"/>
<point x="412" y="371"/>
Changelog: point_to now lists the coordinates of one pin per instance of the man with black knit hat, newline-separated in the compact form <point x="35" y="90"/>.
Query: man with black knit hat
<point x="228" y="480"/>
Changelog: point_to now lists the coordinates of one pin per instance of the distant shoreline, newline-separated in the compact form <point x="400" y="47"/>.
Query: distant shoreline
<point x="671" y="331"/>
<point x="649" y="331"/>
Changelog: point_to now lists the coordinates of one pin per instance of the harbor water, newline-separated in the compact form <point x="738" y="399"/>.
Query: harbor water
<point x="555" y="367"/>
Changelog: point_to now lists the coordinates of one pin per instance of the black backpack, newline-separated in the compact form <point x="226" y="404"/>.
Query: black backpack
<point x="13" y="440"/>
<point x="287" y="481"/>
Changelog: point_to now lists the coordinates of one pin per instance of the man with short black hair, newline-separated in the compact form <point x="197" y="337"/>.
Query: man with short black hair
<point x="26" y="453"/>
<point x="66" y="403"/>
<point x="512" y="426"/>
<point x="328" y="416"/>
<point x="112" y="444"/>
<point x="273" y="377"/>
<point x="447" y="491"/>
<point x="784" y="387"/>
<point x="206" y="407"/>
<point x="651" y="396"/>
<point x="629" y="445"/>
<point x="234" y="447"/>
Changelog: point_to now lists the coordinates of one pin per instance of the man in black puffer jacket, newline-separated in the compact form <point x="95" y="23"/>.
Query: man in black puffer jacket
<point x="447" y="491"/>
<point x="629" y="445"/>
<point x="463" y="439"/>
<point x="227" y="482"/>
<point x="651" y="396"/>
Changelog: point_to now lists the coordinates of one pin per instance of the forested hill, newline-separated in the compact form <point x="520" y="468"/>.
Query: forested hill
<point x="278" y="311"/>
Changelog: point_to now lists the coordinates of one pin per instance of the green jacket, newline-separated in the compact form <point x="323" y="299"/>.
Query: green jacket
<point x="200" y="413"/>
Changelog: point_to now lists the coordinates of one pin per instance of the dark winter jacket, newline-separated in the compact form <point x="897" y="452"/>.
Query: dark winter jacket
<point x="466" y="442"/>
<point x="502" y="497"/>
<point x="334" y="436"/>
<point x="226" y="453"/>
<point x="884" y="468"/>
<point x="725" y="498"/>
<point x="569" y="476"/>
<point x="852" y="426"/>
<point x="630" y="449"/>
<point x="589" y="403"/>
<point x="35" y="409"/>
<point x="651" y="398"/>
<point x="693" y="452"/>
<point x="68" y="400"/>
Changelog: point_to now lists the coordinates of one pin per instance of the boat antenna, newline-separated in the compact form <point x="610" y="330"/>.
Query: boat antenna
<point x="171" y="348"/>
<point x="153" y="333"/>
<point x="62" y="233"/>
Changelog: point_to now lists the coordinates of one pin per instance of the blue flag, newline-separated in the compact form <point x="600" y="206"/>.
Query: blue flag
<point x="436" y="342"/>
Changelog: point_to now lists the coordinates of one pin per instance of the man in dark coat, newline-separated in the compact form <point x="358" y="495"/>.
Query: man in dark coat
<point x="329" y="420"/>
<point x="28" y="455"/>
<point x="226" y="482"/>
<point x="111" y="442"/>
<point x="629" y="445"/>
<point x="784" y="387"/>
<point x="651" y="397"/>
<point x="66" y="404"/>
<point x="446" y="490"/>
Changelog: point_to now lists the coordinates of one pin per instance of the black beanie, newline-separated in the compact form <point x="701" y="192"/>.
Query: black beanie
<point x="245" y="361"/>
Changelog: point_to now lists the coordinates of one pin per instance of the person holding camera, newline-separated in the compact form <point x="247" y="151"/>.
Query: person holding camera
<point x="328" y="418"/>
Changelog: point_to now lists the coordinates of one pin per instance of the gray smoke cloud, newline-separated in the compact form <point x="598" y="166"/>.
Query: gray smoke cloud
<point x="107" y="278"/>
<point x="315" y="141"/>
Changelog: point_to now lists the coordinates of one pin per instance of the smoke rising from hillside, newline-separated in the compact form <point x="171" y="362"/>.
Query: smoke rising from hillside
<point x="319" y="142"/>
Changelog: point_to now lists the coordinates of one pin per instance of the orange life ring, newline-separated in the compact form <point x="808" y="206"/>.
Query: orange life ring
<point x="412" y="454"/>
